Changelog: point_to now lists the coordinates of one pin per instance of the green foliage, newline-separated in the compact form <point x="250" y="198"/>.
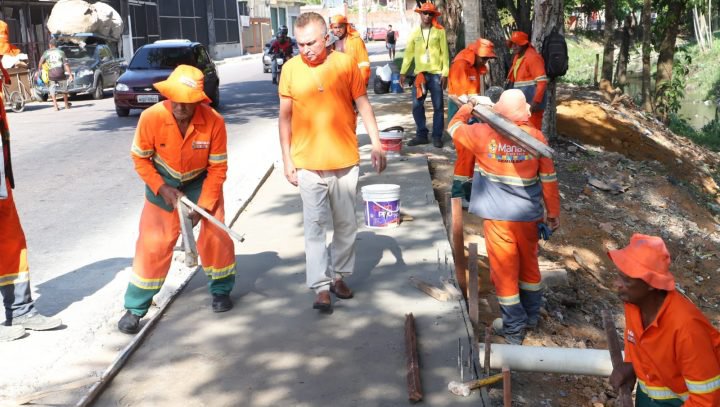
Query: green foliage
<point x="704" y="73"/>
<point x="581" y="59"/>
<point x="506" y="18"/>
<point x="709" y="136"/>
<point x="672" y="93"/>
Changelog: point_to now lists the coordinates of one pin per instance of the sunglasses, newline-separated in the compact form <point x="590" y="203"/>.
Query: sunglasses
<point x="428" y="13"/>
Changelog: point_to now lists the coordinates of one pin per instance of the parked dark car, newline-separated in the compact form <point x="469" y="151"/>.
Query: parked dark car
<point x="267" y="58"/>
<point x="154" y="63"/>
<point x="95" y="66"/>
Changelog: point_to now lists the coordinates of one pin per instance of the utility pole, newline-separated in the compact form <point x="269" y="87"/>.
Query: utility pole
<point x="361" y="15"/>
<point x="472" y="18"/>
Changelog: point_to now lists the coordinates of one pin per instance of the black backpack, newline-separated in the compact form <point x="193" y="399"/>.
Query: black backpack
<point x="555" y="54"/>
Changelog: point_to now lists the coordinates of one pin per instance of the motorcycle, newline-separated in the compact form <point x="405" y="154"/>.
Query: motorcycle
<point x="280" y="60"/>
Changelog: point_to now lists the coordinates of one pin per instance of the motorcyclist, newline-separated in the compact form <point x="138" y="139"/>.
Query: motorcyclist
<point x="282" y="46"/>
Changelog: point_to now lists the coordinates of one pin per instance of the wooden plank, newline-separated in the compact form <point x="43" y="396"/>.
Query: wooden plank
<point x="429" y="289"/>
<point x="455" y="294"/>
<point x="458" y="245"/>
<point x="507" y="387"/>
<point x="624" y="392"/>
<point x="42" y="394"/>
<point x="509" y="129"/>
<point x="413" y="367"/>
<point x="473" y="290"/>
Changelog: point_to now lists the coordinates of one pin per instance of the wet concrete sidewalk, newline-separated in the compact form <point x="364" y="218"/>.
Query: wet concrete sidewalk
<point x="273" y="349"/>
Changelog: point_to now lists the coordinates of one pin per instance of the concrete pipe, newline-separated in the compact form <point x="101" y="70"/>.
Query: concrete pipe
<point x="589" y="362"/>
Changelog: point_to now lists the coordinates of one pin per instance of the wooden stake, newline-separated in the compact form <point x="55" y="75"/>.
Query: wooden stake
<point x="486" y="365"/>
<point x="458" y="245"/>
<point x="473" y="288"/>
<point x="507" y="392"/>
<point x="624" y="392"/>
<point x="595" y="74"/>
<point x="413" y="367"/>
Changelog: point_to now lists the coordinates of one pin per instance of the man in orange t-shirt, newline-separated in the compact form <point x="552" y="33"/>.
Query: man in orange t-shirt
<point x="320" y="152"/>
<point x="179" y="149"/>
<point x="670" y="346"/>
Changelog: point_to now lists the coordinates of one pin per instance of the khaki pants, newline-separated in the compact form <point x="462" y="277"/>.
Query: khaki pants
<point x="328" y="195"/>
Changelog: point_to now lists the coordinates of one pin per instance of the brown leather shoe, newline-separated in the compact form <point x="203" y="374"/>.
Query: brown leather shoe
<point x="341" y="290"/>
<point x="322" y="301"/>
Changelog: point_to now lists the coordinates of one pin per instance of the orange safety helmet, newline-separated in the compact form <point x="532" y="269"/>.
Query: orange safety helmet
<point x="184" y="85"/>
<point x="428" y="7"/>
<point x="518" y="37"/>
<point x="485" y="48"/>
<point x="512" y="104"/>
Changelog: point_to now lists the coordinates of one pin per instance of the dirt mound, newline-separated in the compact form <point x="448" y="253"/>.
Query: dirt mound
<point x="617" y="128"/>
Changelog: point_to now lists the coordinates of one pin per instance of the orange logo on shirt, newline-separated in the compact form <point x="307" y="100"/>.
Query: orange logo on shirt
<point x="492" y="146"/>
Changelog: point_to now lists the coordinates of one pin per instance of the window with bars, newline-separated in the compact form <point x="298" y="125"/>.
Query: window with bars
<point x="226" y="23"/>
<point x="185" y="19"/>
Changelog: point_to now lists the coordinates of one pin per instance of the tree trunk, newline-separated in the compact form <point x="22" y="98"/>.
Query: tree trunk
<point x="609" y="51"/>
<point x="699" y="35"/>
<point x="624" y="57"/>
<point x="472" y="20"/>
<point x="709" y="24"/>
<point x="495" y="33"/>
<point x="647" y="102"/>
<point x="549" y="15"/>
<point x="521" y="14"/>
<point x="451" y="19"/>
<point x="666" y="52"/>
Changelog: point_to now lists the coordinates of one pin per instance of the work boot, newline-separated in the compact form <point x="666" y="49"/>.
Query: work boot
<point x="274" y="81"/>
<point x="438" y="143"/>
<point x="129" y="323"/>
<point x="323" y="302"/>
<point x="341" y="290"/>
<point x="10" y="333"/>
<point x="221" y="303"/>
<point x="417" y="141"/>
<point x="512" y="339"/>
<point x="36" y="322"/>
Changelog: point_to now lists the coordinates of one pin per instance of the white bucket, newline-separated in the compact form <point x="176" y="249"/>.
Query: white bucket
<point x="391" y="142"/>
<point x="382" y="205"/>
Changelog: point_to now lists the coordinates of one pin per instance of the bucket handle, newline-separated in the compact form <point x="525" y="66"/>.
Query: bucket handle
<point x="394" y="128"/>
<point x="383" y="208"/>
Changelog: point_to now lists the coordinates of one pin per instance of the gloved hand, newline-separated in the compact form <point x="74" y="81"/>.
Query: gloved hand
<point x="544" y="232"/>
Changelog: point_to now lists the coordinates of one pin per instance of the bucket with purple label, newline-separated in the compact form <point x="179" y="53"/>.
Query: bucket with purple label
<point x="382" y="205"/>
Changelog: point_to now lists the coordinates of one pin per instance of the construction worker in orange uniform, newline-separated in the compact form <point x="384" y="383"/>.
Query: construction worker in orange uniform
<point x="508" y="192"/>
<point x="527" y="73"/>
<point x="20" y="312"/>
<point x="466" y="73"/>
<point x="350" y="42"/>
<point x="670" y="346"/>
<point x="180" y="148"/>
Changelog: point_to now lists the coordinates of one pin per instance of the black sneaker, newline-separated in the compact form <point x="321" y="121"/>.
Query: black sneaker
<point x="129" y="323"/>
<point x="221" y="303"/>
<point x="438" y="143"/>
<point x="417" y="141"/>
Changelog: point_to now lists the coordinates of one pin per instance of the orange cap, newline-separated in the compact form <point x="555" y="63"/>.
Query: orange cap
<point x="646" y="258"/>
<point x="512" y="104"/>
<point x="338" y="19"/>
<point x="428" y="7"/>
<point x="184" y="85"/>
<point x="5" y="47"/>
<point x="518" y="37"/>
<point x="485" y="48"/>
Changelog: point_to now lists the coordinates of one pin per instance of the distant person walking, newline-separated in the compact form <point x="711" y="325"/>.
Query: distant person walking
<point x="20" y="311"/>
<point x="179" y="149"/>
<point x="59" y="72"/>
<point x="390" y="40"/>
<point x="527" y="73"/>
<point x="320" y="152"/>
<point x="349" y="42"/>
<point x="427" y="48"/>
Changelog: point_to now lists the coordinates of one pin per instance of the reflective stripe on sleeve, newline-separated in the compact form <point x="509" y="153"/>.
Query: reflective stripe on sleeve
<point x="704" y="386"/>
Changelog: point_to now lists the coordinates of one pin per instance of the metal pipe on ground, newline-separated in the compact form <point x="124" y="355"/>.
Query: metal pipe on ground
<point x="588" y="362"/>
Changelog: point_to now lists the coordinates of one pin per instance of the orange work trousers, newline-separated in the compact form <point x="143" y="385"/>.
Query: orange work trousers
<point x="14" y="271"/>
<point x="536" y="119"/>
<point x="513" y="253"/>
<point x="159" y="231"/>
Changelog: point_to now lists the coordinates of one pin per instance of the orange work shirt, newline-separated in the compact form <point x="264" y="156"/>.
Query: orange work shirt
<point x="323" y="118"/>
<point x="528" y="71"/>
<point x="355" y="47"/>
<point x="677" y="355"/>
<point x="158" y="147"/>
<point x="464" y="78"/>
<point x="511" y="180"/>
